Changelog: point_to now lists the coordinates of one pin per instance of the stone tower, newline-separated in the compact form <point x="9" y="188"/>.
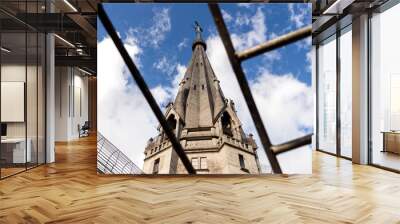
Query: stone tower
<point x="206" y="124"/>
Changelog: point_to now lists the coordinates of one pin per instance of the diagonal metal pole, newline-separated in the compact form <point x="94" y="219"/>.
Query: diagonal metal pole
<point x="275" y="43"/>
<point x="144" y="89"/>
<point x="244" y="86"/>
<point x="293" y="144"/>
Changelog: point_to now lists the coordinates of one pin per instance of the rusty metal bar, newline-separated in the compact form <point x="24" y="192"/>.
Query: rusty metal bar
<point x="144" y="89"/>
<point x="235" y="59"/>
<point x="275" y="43"/>
<point x="244" y="86"/>
<point x="295" y="143"/>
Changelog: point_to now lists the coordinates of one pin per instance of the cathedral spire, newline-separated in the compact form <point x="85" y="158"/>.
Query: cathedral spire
<point x="198" y="39"/>
<point x="205" y="123"/>
<point x="200" y="100"/>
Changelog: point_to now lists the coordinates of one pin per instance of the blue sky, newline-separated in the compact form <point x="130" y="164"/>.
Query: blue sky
<point x="182" y="17"/>
<point x="159" y="37"/>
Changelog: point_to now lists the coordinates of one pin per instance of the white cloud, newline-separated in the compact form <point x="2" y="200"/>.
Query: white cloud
<point x="161" y="94"/>
<point x="299" y="14"/>
<point x="124" y="116"/>
<point x="241" y="19"/>
<point x="286" y="106"/>
<point x="284" y="102"/>
<point x="165" y="65"/>
<point x="162" y="25"/>
<point x="272" y="56"/>
<point x="156" y="33"/>
<point x="304" y="43"/>
<point x="245" y="5"/>
<point x="183" y="44"/>
<point x="165" y="94"/>
<point x="181" y="69"/>
<point x="180" y="72"/>
<point x="227" y="17"/>
<point x="272" y="35"/>
<point x="309" y="59"/>
<point x="256" y="35"/>
<point x="123" y="113"/>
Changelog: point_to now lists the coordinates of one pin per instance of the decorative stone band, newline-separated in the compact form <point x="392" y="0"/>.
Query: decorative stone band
<point x="210" y="144"/>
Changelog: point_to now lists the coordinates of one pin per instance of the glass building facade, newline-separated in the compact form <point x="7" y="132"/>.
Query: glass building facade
<point x="23" y="84"/>
<point x="345" y="61"/>
<point x="385" y="89"/>
<point x="327" y="95"/>
<point x="335" y="77"/>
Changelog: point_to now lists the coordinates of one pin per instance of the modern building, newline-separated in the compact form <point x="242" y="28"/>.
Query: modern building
<point x="48" y="79"/>
<point x="356" y="81"/>
<point x="206" y="124"/>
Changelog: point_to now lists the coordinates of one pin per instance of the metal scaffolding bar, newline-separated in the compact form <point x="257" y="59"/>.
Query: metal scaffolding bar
<point x="144" y="89"/>
<point x="244" y="86"/>
<point x="295" y="143"/>
<point x="235" y="59"/>
<point x="275" y="43"/>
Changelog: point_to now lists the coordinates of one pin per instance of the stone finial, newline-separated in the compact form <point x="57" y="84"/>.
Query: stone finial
<point x="198" y="30"/>
<point x="198" y="40"/>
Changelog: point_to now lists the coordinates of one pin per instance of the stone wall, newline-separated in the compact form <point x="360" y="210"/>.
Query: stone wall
<point x="165" y="162"/>
<point x="225" y="161"/>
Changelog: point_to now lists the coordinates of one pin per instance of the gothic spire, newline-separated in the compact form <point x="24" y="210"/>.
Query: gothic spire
<point x="200" y="100"/>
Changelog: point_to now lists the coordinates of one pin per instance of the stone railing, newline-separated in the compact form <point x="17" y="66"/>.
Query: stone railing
<point x="156" y="147"/>
<point x="235" y="142"/>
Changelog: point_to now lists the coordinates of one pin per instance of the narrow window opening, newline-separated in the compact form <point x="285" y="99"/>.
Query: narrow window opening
<point x="172" y="122"/>
<point x="156" y="165"/>
<point x="241" y="162"/>
<point x="226" y="124"/>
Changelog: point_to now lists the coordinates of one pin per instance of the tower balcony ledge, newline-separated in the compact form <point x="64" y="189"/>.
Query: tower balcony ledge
<point x="236" y="143"/>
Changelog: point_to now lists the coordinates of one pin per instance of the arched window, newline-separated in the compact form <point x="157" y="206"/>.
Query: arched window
<point x="172" y="122"/>
<point x="226" y="124"/>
